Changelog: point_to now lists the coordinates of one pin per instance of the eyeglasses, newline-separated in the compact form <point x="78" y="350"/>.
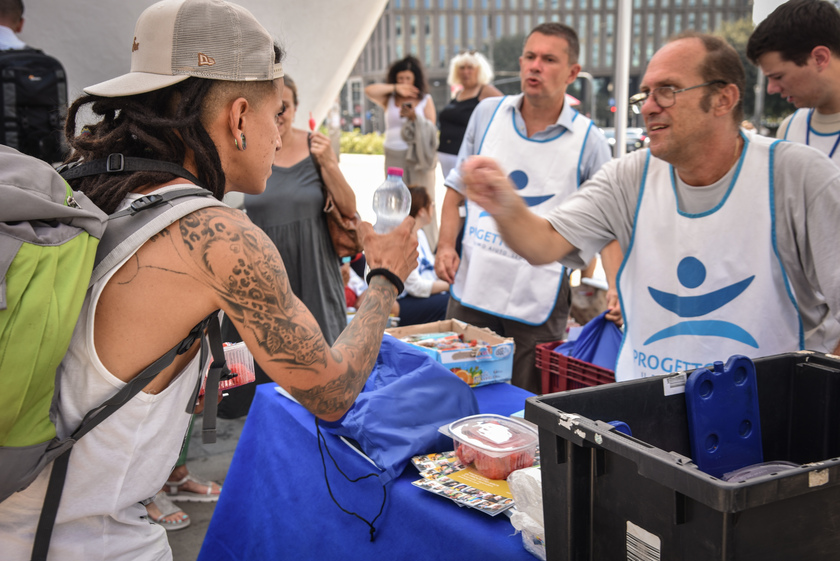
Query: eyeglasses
<point x="665" y="96"/>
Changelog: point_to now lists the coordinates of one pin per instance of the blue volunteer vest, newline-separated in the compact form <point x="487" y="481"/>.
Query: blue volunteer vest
<point x="492" y="278"/>
<point x="799" y="130"/>
<point x="697" y="288"/>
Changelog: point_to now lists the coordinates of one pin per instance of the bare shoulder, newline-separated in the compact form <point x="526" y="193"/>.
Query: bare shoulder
<point x="489" y="91"/>
<point x="224" y="245"/>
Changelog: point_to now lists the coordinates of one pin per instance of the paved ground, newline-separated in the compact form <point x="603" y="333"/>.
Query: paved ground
<point x="211" y="461"/>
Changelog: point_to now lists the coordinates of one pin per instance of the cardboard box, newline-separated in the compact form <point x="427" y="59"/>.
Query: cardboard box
<point x="478" y="366"/>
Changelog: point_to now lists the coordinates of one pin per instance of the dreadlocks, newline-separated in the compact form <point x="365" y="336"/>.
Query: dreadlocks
<point x="159" y="125"/>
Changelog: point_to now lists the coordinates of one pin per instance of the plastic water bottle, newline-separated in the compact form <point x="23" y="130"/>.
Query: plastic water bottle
<point x="391" y="202"/>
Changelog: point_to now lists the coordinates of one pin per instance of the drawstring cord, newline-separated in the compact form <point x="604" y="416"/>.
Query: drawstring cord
<point x="329" y="489"/>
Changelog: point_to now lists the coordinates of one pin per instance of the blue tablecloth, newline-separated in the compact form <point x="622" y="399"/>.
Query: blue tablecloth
<point x="275" y="503"/>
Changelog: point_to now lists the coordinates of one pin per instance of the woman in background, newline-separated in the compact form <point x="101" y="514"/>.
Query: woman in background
<point x="410" y="127"/>
<point x="291" y="212"/>
<point x="472" y="72"/>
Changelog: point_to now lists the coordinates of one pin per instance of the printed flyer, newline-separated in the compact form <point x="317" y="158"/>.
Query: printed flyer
<point x="444" y="475"/>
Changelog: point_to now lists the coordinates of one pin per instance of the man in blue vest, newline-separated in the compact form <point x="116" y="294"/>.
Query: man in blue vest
<point x="547" y="149"/>
<point x="729" y="240"/>
<point x="798" y="49"/>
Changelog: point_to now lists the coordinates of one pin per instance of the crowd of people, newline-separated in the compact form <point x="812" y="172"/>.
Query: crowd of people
<point x="715" y="241"/>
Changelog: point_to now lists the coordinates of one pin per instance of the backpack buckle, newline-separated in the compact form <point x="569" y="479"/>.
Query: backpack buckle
<point x="114" y="163"/>
<point x="188" y="342"/>
<point x="145" y="202"/>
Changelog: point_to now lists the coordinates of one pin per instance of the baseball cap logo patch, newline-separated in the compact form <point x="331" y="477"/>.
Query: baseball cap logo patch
<point x="204" y="60"/>
<point x="135" y="45"/>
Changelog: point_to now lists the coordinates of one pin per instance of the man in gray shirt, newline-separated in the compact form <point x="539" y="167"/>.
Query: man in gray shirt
<point x="548" y="149"/>
<point x="729" y="240"/>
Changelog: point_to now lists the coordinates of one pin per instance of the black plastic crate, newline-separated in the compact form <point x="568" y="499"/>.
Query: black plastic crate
<point x="608" y="496"/>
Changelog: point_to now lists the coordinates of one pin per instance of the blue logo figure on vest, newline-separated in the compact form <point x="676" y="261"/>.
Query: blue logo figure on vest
<point x="691" y="273"/>
<point x="520" y="180"/>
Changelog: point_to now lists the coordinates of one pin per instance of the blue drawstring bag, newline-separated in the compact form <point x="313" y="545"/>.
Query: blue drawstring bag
<point x="598" y="343"/>
<point x="407" y="398"/>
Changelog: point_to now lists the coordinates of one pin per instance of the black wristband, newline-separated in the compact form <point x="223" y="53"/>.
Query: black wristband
<point x="394" y="279"/>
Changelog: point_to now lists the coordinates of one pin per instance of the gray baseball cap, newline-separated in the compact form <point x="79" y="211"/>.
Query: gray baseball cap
<point x="176" y="39"/>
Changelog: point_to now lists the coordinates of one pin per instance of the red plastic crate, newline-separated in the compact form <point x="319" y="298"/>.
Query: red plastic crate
<point x="561" y="373"/>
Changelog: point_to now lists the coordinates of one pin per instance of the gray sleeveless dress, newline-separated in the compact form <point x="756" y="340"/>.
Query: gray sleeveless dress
<point x="290" y="211"/>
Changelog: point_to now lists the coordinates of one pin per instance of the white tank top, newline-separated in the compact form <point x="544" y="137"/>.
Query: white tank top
<point x="691" y="296"/>
<point x="492" y="277"/>
<point x="122" y="461"/>
<point x="393" y="123"/>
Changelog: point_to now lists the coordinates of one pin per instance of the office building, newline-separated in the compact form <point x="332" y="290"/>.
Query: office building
<point x="436" y="30"/>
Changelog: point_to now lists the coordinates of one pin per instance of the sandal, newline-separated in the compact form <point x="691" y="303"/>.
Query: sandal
<point x="168" y="508"/>
<point x="176" y="492"/>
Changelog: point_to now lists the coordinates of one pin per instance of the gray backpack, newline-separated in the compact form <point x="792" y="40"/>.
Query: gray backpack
<point x="54" y="245"/>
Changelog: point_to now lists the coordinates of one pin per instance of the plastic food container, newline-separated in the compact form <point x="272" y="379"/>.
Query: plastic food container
<point x="495" y="445"/>
<point x="240" y="361"/>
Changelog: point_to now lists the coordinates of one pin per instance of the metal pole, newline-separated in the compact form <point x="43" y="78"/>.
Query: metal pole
<point x="622" y="75"/>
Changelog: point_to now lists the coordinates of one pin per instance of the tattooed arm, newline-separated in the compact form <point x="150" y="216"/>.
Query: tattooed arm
<point x="247" y="276"/>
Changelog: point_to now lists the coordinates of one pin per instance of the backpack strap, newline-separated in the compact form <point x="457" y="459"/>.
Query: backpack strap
<point x="218" y="371"/>
<point x="50" y="508"/>
<point x="118" y="163"/>
<point x="99" y="414"/>
<point x="128" y="230"/>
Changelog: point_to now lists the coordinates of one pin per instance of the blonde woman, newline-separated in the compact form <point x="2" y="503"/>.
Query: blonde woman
<point x="471" y="71"/>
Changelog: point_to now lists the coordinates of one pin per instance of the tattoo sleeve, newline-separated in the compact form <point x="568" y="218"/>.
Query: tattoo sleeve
<point x="245" y="269"/>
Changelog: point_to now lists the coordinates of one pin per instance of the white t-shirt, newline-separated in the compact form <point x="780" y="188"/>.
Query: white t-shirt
<point x="420" y="280"/>
<point x="9" y="40"/>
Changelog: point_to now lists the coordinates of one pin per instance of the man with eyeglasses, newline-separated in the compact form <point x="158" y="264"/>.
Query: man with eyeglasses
<point x="730" y="240"/>
<point x="798" y="48"/>
<point x="548" y="149"/>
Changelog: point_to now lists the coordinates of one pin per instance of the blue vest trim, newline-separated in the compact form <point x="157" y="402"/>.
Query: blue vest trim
<point x="627" y="254"/>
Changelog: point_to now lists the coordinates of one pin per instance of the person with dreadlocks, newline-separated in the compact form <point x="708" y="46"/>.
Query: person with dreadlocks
<point x="204" y="93"/>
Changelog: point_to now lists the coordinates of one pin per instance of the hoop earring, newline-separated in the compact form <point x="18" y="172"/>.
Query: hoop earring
<point x="242" y="137"/>
<point x="236" y="143"/>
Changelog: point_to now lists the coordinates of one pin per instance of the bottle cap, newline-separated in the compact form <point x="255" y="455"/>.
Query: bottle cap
<point x="395" y="171"/>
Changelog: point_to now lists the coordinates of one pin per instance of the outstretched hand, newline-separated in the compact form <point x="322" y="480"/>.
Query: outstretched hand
<point x="488" y="186"/>
<point x="395" y="251"/>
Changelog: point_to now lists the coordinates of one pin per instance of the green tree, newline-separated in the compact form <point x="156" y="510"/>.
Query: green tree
<point x="737" y="33"/>
<point x="505" y="58"/>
